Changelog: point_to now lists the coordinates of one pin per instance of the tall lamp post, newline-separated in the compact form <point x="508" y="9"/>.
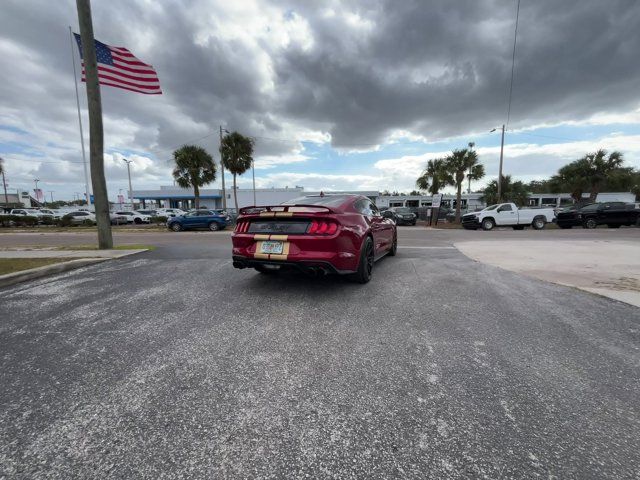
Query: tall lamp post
<point x="4" y="183"/>
<point x="128" y="162"/>
<point x="36" y="180"/>
<point x="500" y="168"/>
<point x="224" y="190"/>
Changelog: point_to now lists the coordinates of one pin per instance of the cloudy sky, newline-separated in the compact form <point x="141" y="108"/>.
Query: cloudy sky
<point x="338" y="94"/>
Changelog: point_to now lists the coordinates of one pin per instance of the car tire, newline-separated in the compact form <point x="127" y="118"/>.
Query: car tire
<point x="176" y="227"/>
<point x="538" y="223"/>
<point x="590" y="223"/>
<point x="365" y="265"/>
<point x="488" y="224"/>
<point x="213" y="226"/>
<point x="137" y="221"/>
<point x="394" y="246"/>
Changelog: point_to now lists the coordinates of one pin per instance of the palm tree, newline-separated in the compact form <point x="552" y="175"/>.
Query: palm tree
<point x="194" y="169"/>
<point x="434" y="177"/>
<point x="461" y="164"/>
<point x="236" y="151"/>
<point x="591" y="173"/>
<point x="512" y="191"/>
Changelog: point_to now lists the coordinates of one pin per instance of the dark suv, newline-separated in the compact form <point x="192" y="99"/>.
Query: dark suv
<point x="401" y="215"/>
<point x="612" y="214"/>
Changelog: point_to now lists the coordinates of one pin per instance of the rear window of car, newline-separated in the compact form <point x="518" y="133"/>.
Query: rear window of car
<point x="328" y="200"/>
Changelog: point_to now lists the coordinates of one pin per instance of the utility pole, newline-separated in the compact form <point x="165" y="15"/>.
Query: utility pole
<point x="51" y="193"/>
<point x="500" y="169"/>
<point x="96" y="139"/>
<point x="128" y="162"/>
<point x="4" y="184"/>
<point x="224" y="191"/>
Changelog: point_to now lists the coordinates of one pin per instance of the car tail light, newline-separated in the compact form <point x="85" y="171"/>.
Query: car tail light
<point x="322" y="228"/>
<point x="242" y="227"/>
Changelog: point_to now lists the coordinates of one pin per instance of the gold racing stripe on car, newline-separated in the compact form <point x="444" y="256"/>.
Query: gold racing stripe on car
<point x="282" y="238"/>
<point x="261" y="237"/>
<point x="284" y="214"/>
<point x="267" y="214"/>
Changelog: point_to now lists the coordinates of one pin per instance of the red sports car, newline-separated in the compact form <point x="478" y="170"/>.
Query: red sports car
<point x="317" y="234"/>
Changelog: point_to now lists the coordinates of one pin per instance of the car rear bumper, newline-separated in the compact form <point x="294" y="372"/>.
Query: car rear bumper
<point x="309" y="267"/>
<point x="334" y="254"/>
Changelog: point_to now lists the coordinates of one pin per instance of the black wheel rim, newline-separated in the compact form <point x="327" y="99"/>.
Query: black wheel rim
<point x="369" y="265"/>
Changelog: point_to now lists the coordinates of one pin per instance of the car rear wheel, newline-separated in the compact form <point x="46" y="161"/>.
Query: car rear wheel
<point x="176" y="227"/>
<point x="590" y="223"/>
<point x="488" y="224"/>
<point x="137" y="221"/>
<point x="213" y="226"/>
<point x="538" y="223"/>
<point x="365" y="266"/>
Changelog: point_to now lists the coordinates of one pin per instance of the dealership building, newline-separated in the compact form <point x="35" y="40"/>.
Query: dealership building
<point x="176" y="197"/>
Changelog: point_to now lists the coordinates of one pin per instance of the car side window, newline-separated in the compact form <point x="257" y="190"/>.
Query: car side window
<point x="505" y="208"/>
<point x="374" y="210"/>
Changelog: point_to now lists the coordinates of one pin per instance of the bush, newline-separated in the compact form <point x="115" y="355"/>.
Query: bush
<point x="47" y="220"/>
<point x="159" y="219"/>
<point x="88" y="223"/>
<point x="65" y="221"/>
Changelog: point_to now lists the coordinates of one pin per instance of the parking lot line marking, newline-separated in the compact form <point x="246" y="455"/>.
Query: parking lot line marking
<point x="428" y="248"/>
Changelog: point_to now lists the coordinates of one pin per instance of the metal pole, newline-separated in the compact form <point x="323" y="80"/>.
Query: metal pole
<point x="253" y="172"/>
<point x="51" y="192"/>
<point x="500" y="169"/>
<point x="224" y="191"/>
<point x="128" y="162"/>
<point x="84" y="156"/>
<point x="6" y="197"/>
<point x="36" y="180"/>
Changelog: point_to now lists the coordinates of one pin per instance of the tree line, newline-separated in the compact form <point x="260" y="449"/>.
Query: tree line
<point x="593" y="173"/>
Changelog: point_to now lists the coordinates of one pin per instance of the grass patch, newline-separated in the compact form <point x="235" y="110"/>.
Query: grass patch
<point x="117" y="247"/>
<point x="12" y="265"/>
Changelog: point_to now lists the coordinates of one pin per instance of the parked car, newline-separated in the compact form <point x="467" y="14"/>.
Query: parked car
<point x="225" y="214"/>
<point x="117" y="219"/>
<point x="169" y="212"/>
<point x="568" y="217"/>
<point x="509" y="215"/>
<point x="80" y="216"/>
<point x="197" y="219"/>
<point x="133" y="216"/>
<point x="150" y="213"/>
<point x="400" y="215"/>
<point x="25" y="212"/>
<point x="611" y="214"/>
<point x="315" y="234"/>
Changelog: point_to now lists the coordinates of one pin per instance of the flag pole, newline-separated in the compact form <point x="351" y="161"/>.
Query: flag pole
<point x="84" y="156"/>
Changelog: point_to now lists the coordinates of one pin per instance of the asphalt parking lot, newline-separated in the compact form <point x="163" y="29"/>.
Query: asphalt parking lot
<point x="173" y="364"/>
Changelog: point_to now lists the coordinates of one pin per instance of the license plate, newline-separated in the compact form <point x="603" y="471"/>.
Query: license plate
<point x="271" y="247"/>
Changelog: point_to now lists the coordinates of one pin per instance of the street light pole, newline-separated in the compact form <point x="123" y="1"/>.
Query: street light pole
<point x="4" y="184"/>
<point x="128" y="162"/>
<point x="500" y="167"/>
<point x="224" y="191"/>
<point x="51" y="193"/>
<point x="36" y="180"/>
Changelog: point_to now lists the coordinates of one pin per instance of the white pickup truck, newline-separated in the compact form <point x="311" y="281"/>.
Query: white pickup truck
<point x="508" y="215"/>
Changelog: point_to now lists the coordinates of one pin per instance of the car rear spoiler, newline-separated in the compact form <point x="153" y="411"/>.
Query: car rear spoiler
<point x="284" y="208"/>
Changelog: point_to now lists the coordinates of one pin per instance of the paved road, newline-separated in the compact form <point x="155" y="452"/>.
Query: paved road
<point x="173" y="364"/>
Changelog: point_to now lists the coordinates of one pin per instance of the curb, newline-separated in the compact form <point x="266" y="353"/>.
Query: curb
<point x="34" y="273"/>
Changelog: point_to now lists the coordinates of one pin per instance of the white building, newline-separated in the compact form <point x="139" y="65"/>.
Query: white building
<point x="176" y="197"/>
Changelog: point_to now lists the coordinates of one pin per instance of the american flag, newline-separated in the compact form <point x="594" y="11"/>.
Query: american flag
<point x="118" y="67"/>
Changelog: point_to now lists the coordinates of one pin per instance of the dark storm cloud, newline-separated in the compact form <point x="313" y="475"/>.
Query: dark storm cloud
<point x="437" y="68"/>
